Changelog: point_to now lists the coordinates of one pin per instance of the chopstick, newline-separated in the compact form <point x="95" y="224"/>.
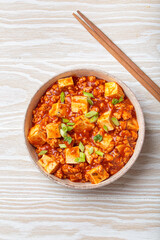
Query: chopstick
<point x="119" y="55"/>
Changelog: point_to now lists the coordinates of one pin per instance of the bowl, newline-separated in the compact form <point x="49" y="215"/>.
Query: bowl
<point x="101" y="75"/>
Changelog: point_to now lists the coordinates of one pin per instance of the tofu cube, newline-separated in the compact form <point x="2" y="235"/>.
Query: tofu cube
<point x="120" y="148"/>
<point x="105" y="119"/>
<point x="83" y="123"/>
<point x="59" y="110"/>
<point x="97" y="174"/>
<point x="72" y="154"/>
<point x="107" y="143"/>
<point x="48" y="163"/>
<point x="112" y="89"/>
<point x="44" y="160"/>
<point x="132" y="124"/>
<point x="79" y="103"/>
<point x="36" y="136"/>
<point x="65" y="82"/>
<point x="127" y="112"/>
<point x="53" y="130"/>
<point x="89" y="157"/>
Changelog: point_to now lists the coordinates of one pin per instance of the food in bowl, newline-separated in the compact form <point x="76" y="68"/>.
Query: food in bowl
<point x="84" y="129"/>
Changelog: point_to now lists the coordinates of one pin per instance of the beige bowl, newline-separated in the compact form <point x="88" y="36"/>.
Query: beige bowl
<point x="101" y="75"/>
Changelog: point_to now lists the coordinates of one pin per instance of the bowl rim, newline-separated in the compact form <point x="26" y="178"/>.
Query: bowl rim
<point x="129" y="164"/>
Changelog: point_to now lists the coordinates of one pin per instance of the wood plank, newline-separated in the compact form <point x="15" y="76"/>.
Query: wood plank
<point x="38" y="39"/>
<point x="66" y="219"/>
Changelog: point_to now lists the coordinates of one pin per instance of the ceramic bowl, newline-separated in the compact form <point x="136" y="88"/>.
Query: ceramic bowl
<point x="101" y="75"/>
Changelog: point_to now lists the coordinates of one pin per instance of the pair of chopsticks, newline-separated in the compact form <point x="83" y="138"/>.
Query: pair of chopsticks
<point x="119" y="55"/>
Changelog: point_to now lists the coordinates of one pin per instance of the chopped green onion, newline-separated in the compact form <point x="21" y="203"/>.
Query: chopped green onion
<point x="121" y="99"/>
<point x="82" y="155"/>
<point x="62" y="145"/>
<point x="99" y="153"/>
<point x="91" y="114"/>
<point x="90" y="101"/>
<point x="115" y="101"/>
<point x="64" y="127"/>
<point x="79" y="160"/>
<point x="62" y="97"/>
<point x="81" y="147"/>
<point x="69" y="128"/>
<point x="42" y="152"/>
<point x="63" y="133"/>
<point x="88" y="94"/>
<point x="115" y="121"/>
<point x="65" y="120"/>
<point x="68" y="139"/>
<point x="70" y="124"/>
<point x="105" y="128"/>
<point x="90" y="151"/>
<point x="93" y="119"/>
<point x="98" y="137"/>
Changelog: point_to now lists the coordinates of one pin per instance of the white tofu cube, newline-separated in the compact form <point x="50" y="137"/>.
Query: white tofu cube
<point x="48" y="163"/>
<point x="97" y="174"/>
<point x="72" y="154"/>
<point x="107" y="143"/>
<point x="105" y="119"/>
<point x="53" y="130"/>
<point x="36" y="136"/>
<point x="65" y="82"/>
<point x="112" y="89"/>
<point x="83" y="123"/>
<point x="59" y="110"/>
<point x="89" y="156"/>
<point x="79" y="103"/>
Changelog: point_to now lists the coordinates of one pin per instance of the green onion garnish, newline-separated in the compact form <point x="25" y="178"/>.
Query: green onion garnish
<point x="115" y="100"/>
<point x="81" y="147"/>
<point x="99" y="153"/>
<point x="64" y="127"/>
<point x="90" y="101"/>
<point x="69" y="128"/>
<point x="105" y="128"/>
<point x="62" y="145"/>
<point x="43" y="152"/>
<point x="98" y="138"/>
<point x="93" y="119"/>
<point x="88" y="94"/>
<point x="91" y="114"/>
<point x="68" y="139"/>
<point x="82" y="155"/>
<point x="65" y="120"/>
<point x="121" y="99"/>
<point x="79" y="160"/>
<point x="70" y="124"/>
<point x="115" y="121"/>
<point x="63" y="133"/>
<point x="62" y="97"/>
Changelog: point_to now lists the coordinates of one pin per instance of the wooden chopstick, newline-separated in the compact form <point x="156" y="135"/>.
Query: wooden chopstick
<point x="120" y="56"/>
<point x="119" y="51"/>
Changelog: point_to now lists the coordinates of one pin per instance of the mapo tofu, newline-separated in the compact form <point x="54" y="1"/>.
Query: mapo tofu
<point x="84" y="129"/>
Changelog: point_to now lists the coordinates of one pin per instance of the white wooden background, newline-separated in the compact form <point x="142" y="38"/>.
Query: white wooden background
<point x="39" y="38"/>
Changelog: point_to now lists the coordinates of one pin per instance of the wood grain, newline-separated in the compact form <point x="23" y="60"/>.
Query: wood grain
<point x="110" y="219"/>
<point x="37" y="40"/>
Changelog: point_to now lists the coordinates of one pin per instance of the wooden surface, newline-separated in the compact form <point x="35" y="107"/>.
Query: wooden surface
<point x="39" y="38"/>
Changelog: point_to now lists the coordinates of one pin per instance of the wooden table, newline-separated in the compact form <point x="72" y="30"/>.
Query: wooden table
<point x="39" y="38"/>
